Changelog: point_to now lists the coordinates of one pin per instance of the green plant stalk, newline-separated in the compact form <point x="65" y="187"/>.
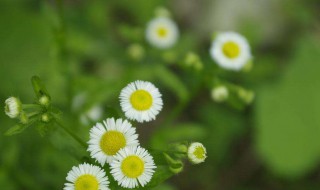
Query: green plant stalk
<point x="64" y="66"/>
<point x="74" y="136"/>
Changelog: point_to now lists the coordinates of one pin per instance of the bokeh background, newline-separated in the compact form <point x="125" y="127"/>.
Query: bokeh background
<point x="272" y="144"/>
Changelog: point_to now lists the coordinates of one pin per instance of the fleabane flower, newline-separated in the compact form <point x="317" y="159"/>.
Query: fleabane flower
<point x="132" y="166"/>
<point x="86" y="177"/>
<point x="197" y="153"/>
<point x="141" y="101"/>
<point x="108" y="138"/>
<point x="162" y="32"/>
<point x="13" y="107"/>
<point x="230" y="50"/>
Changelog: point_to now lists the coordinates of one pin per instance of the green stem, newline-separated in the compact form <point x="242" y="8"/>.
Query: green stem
<point x="167" y="151"/>
<point x="75" y="137"/>
<point x="30" y="106"/>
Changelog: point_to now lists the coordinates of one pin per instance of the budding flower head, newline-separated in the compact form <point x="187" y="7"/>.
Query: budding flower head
<point x="193" y="60"/>
<point x="44" y="100"/>
<point x="246" y="95"/>
<point x="162" y="12"/>
<point x="136" y="51"/>
<point x="13" y="107"/>
<point x="197" y="153"/>
<point x="220" y="93"/>
<point x="45" y="118"/>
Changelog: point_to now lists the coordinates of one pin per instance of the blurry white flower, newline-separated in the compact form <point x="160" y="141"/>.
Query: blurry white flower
<point x="93" y="114"/>
<point x="162" y="32"/>
<point x="13" y="107"/>
<point x="220" y="93"/>
<point x="132" y="166"/>
<point x="141" y="101"/>
<point x="230" y="50"/>
<point x="108" y="138"/>
<point x="86" y="177"/>
<point x="78" y="101"/>
<point x="197" y="153"/>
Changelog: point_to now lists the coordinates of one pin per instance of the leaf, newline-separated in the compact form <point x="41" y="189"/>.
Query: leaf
<point x="15" y="130"/>
<point x="172" y="82"/>
<point x="287" y="118"/>
<point x="161" y="174"/>
<point x="38" y="87"/>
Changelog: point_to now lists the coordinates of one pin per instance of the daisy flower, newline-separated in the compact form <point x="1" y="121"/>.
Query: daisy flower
<point x="12" y="107"/>
<point x="132" y="166"/>
<point x="108" y="138"/>
<point x="230" y="50"/>
<point x="162" y="32"/>
<point x="141" y="101"/>
<point x="197" y="153"/>
<point x="86" y="177"/>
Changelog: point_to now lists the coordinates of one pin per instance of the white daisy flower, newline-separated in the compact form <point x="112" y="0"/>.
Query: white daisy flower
<point x="133" y="166"/>
<point x="197" y="153"/>
<point x="162" y="32"/>
<point x="141" y="101"/>
<point x="220" y="93"/>
<point x="108" y="138"/>
<point x="13" y="107"/>
<point x="230" y="50"/>
<point x="86" y="177"/>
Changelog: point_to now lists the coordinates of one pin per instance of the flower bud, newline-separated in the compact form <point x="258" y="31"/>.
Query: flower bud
<point x="197" y="153"/>
<point x="220" y="93"/>
<point x="13" y="107"/>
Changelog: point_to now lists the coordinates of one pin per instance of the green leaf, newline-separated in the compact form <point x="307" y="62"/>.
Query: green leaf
<point x="288" y="122"/>
<point x="172" y="82"/>
<point x="38" y="87"/>
<point x="161" y="174"/>
<point x="15" y="130"/>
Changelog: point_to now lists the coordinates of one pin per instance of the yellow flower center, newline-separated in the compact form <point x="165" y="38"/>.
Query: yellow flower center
<point x="86" y="182"/>
<point x="111" y="142"/>
<point x="162" y="32"/>
<point x="132" y="166"/>
<point x="141" y="100"/>
<point x="231" y="49"/>
<point x="199" y="152"/>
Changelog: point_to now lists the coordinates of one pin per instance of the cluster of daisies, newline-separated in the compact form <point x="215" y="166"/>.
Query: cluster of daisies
<point x="229" y="50"/>
<point x="115" y="142"/>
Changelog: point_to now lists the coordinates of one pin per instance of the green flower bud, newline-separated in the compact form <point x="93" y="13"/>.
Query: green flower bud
<point x="136" y="51"/>
<point x="44" y="100"/>
<point x="220" y="93"/>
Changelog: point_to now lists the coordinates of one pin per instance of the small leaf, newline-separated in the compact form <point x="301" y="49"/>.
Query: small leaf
<point x="42" y="129"/>
<point x="162" y="173"/>
<point x="38" y="87"/>
<point x="15" y="130"/>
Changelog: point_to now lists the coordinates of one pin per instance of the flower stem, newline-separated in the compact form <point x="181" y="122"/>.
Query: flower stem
<point x="30" y="106"/>
<point x="75" y="137"/>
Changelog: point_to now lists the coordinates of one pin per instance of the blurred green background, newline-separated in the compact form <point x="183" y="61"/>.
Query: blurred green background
<point x="272" y="144"/>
